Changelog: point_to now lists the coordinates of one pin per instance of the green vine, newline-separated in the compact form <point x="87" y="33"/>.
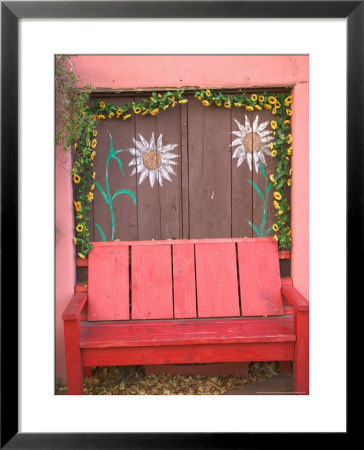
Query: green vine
<point x="85" y="143"/>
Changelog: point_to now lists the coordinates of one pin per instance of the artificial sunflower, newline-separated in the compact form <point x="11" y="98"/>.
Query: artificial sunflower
<point x="275" y="237"/>
<point x="76" y="178"/>
<point x="267" y="106"/>
<point x="288" y="112"/>
<point x="276" y="204"/>
<point x="102" y="105"/>
<point x="94" y="133"/>
<point x="93" y="143"/>
<point x="205" y="102"/>
<point x="183" y="101"/>
<point x="137" y="110"/>
<point x="275" y="227"/>
<point x="289" y="138"/>
<point x="208" y="93"/>
<point x="274" y="153"/>
<point x="75" y="146"/>
<point x="254" y="97"/>
<point x="261" y="98"/>
<point x="258" y="107"/>
<point x="127" y="116"/>
<point x="144" y="113"/>
<point x="273" y="124"/>
<point x="274" y="110"/>
<point x="93" y="154"/>
<point x="288" y="100"/>
<point x="79" y="228"/>
<point x="154" y="112"/>
<point x="272" y="100"/>
<point x="272" y="179"/>
<point x="90" y="196"/>
<point x="227" y="104"/>
<point x="287" y="122"/>
<point x="249" y="108"/>
<point x="111" y="115"/>
<point x="277" y="196"/>
<point x="289" y="182"/>
<point x="81" y="255"/>
<point x="74" y="240"/>
<point x="289" y="232"/>
<point x="289" y="151"/>
<point x="77" y="206"/>
<point x="165" y="107"/>
<point x="93" y="175"/>
<point x="237" y="105"/>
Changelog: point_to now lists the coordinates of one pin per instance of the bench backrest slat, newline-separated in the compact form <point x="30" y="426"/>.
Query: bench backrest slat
<point x="217" y="282"/>
<point x="260" y="281"/>
<point x="184" y="279"/>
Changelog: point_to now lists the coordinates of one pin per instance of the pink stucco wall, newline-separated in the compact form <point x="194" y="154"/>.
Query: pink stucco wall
<point x="148" y="72"/>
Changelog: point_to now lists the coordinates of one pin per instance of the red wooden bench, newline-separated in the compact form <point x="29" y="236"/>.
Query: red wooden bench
<point x="185" y="302"/>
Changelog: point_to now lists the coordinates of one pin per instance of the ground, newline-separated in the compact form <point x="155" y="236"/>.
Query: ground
<point x="263" y="378"/>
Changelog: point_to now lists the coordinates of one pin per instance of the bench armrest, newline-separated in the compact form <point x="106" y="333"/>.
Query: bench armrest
<point x="75" y="306"/>
<point x="297" y="300"/>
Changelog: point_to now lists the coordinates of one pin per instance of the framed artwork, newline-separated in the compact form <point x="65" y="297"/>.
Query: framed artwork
<point x="145" y="171"/>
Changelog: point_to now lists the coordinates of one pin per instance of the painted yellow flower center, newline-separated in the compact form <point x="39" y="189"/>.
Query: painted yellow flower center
<point x="252" y="142"/>
<point x="152" y="160"/>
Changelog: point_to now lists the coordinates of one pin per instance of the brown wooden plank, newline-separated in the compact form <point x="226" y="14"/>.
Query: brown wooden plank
<point x="151" y="271"/>
<point x="184" y="288"/>
<point x="241" y="174"/>
<point x="125" y="211"/>
<point x="209" y="171"/>
<point x="159" y="200"/>
<point x="217" y="282"/>
<point x="260" y="284"/>
<point x="185" y="171"/>
<point x="108" y="284"/>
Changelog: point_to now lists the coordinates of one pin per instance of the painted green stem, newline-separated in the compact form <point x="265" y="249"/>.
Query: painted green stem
<point x="107" y="195"/>
<point x="264" y="197"/>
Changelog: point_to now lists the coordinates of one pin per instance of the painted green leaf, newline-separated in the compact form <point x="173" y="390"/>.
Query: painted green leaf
<point x="124" y="191"/>
<point x="102" y="191"/>
<point x="119" y="163"/>
<point x="257" y="189"/>
<point x="101" y="232"/>
<point x="254" y="228"/>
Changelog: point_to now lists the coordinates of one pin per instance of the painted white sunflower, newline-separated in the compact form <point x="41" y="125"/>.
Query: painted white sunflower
<point x="252" y="142"/>
<point x="153" y="160"/>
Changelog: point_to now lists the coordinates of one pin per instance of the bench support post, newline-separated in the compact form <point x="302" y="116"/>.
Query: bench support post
<point x="73" y="357"/>
<point x="301" y="362"/>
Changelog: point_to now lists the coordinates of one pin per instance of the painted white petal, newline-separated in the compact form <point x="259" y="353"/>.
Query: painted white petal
<point x="152" y="143"/>
<point x="132" y="151"/>
<point x="168" y="148"/>
<point x="132" y="162"/>
<point x="241" y="159"/>
<point x="133" y="172"/>
<point x="144" y="142"/>
<point x="167" y="156"/>
<point x="261" y="157"/>
<point x="237" y="141"/>
<point x="255" y="123"/>
<point x="170" y="170"/>
<point x="248" y="128"/>
<point x="140" y="168"/>
<point x="262" y="126"/>
<point x="143" y="176"/>
<point x="256" y="161"/>
<point x="267" y="150"/>
<point x="239" y="133"/>
<point x="267" y="139"/>
<point x="249" y="159"/>
<point x="240" y="126"/>
<point x="164" y="173"/>
<point x="172" y="162"/>
<point x="159" y="143"/>
<point x="264" y="133"/>
<point x="159" y="178"/>
<point x="152" y="175"/>
<point x="141" y="147"/>
<point x="239" y="151"/>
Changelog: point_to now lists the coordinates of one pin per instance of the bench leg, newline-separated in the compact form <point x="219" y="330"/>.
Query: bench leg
<point x="301" y="362"/>
<point x="73" y="357"/>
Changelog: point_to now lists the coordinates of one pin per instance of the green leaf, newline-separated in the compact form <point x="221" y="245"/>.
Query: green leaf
<point x="111" y="152"/>
<point x="102" y="191"/>
<point x="254" y="228"/>
<point x="257" y="189"/>
<point x="101" y="232"/>
<point x="119" y="163"/>
<point x="124" y="191"/>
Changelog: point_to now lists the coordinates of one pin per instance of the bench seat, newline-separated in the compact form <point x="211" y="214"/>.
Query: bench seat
<point x="187" y="332"/>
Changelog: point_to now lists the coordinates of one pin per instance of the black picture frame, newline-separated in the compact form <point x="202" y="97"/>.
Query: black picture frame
<point x="11" y="12"/>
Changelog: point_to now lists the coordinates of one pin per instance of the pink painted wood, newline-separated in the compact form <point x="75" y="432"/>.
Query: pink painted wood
<point x="151" y="271"/>
<point x="217" y="282"/>
<point x="184" y="286"/>
<point x="108" y="286"/>
<point x="260" y="284"/>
